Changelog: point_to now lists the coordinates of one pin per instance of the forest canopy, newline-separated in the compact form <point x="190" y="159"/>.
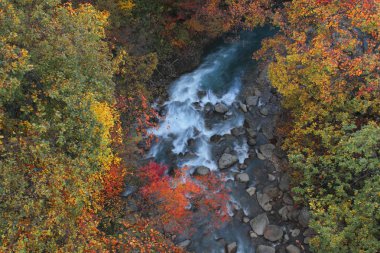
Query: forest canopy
<point x="77" y="79"/>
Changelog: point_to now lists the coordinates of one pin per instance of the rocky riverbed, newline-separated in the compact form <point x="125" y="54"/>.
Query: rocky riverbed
<point x="233" y="133"/>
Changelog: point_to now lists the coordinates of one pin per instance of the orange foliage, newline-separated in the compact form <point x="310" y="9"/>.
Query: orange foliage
<point x="182" y="199"/>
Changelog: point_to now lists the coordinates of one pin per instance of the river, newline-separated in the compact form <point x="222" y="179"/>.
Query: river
<point x="186" y="132"/>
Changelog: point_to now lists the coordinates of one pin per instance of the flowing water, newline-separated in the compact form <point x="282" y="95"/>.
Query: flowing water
<point x="185" y="132"/>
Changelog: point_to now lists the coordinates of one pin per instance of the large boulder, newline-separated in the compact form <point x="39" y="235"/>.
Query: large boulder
<point x="292" y="249"/>
<point x="304" y="217"/>
<point x="264" y="201"/>
<point x="273" y="233"/>
<point x="220" y="108"/>
<point x="184" y="244"/>
<point x="243" y="107"/>
<point x="265" y="249"/>
<point x="202" y="171"/>
<point x="284" y="182"/>
<point x="251" y="190"/>
<point x="227" y="160"/>
<point x="242" y="177"/>
<point x="259" y="223"/>
<point x="237" y="131"/>
<point x="251" y="100"/>
<point x="232" y="247"/>
<point x="267" y="150"/>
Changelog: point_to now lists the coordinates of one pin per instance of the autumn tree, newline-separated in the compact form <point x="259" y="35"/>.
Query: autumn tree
<point x="325" y="63"/>
<point x="179" y="200"/>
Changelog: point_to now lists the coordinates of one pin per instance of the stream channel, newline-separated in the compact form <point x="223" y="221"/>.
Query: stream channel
<point x="191" y="124"/>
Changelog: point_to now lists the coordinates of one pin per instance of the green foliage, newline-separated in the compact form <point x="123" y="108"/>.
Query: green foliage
<point x="325" y="63"/>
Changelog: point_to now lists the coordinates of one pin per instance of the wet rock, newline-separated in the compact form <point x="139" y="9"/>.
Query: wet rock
<point x="284" y="182"/>
<point x="251" y="190"/>
<point x="272" y="191"/>
<point x="237" y="131"/>
<point x="293" y="214"/>
<point x="271" y="177"/>
<point x="229" y="113"/>
<point x="202" y="171"/>
<point x="304" y="217"/>
<point x="251" y="100"/>
<point x="232" y="247"/>
<point x="292" y="249"/>
<point x="201" y="93"/>
<point x="265" y="249"/>
<point x="245" y="219"/>
<point x="264" y="111"/>
<point x="215" y="138"/>
<point x="259" y="223"/>
<point x="260" y="156"/>
<point x="208" y="107"/>
<point x="267" y="150"/>
<point x="252" y="234"/>
<point x="273" y="233"/>
<point x="221" y="108"/>
<point x="184" y="244"/>
<point x="295" y="232"/>
<point x="268" y="130"/>
<point x="242" y="177"/>
<point x="264" y="201"/>
<point x="284" y="212"/>
<point x="251" y="141"/>
<point x="243" y="107"/>
<point x="197" y="106"/>
<point x="243" y="166"/>
<point x="227" y="160"/>
<point x="251" y="133"/>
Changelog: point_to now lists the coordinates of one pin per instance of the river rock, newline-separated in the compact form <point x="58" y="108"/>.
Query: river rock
<point x="259" y="223"/>
<point x="237" y="131"/>
<point x="284" y="212"/>
<point x="304" y="217"/>
<point x="245" y="219"/>
<point x="221" y="108"/>
<point x="202" y="170"/>
<point x="264" y="201"/>
<point x="273" y="233"/>
<point x="242" y="177"/>
<point x="208" y="107"/>
<point x="184" y="244"/>
<point x="243" y="107"/>
<point x="201" y="93"/>
<point x="264" y="111"/>
<point x="252" y="234"/>
<point x="272" y="191"/>
<point x="251" y="141"/>
<point x="271" y="177"/>
<point x="251" y="100"/>
<point x="295" y="232"/>
<point x="284" y="182"/>
<point x="251" y="190"/>
<point x="265" y="249"/>
<point x="267" y="150"/>
<point x="251" y="133"/>
<point x="232" y="247"/>
<point x="215" y="138"/>
<point x="227" y="160"/>
<point x="292" y="249"/>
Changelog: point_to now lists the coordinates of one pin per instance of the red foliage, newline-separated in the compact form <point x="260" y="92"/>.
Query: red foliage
<point x="181" y="199"/>
<point x="113" y="183"/>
